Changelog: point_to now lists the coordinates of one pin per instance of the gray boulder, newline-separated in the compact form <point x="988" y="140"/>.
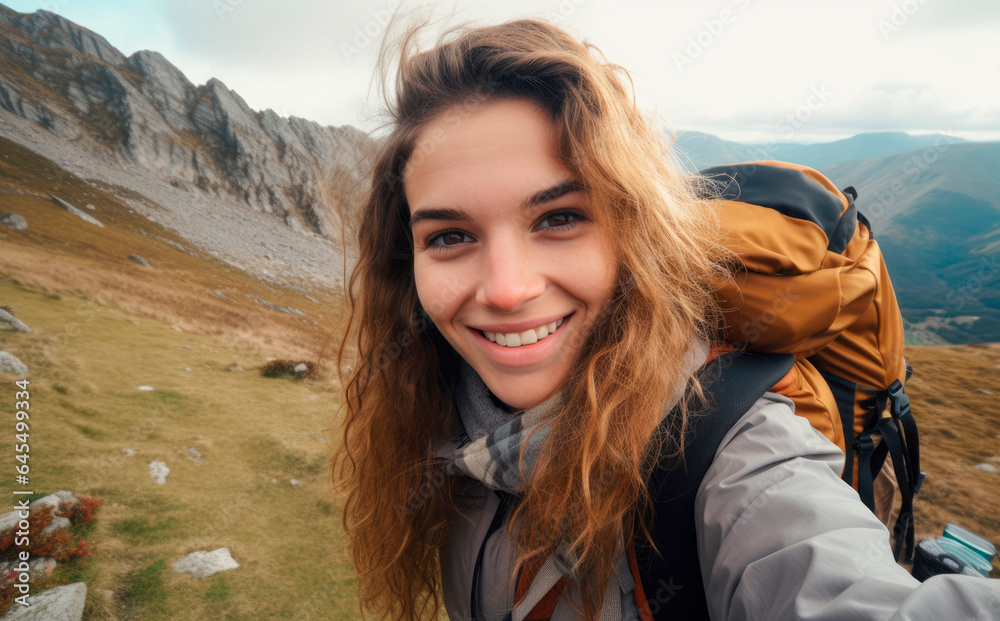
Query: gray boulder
<point x="10" y="364"/>
<point x="11" y="323"/>
<point x="63" y="603"/>
<point x="15" y="221"/>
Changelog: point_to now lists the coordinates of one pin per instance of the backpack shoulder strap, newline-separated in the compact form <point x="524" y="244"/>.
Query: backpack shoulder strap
<point x="671" y="580"/>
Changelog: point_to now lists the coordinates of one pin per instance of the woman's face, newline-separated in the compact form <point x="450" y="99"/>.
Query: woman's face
<point x="508" y="262"/>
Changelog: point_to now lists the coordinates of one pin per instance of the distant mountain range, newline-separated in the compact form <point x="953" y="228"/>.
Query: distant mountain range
<point x="699" y="150"/>
<point x="180" y="153"/>
<point x="934" y="204"/>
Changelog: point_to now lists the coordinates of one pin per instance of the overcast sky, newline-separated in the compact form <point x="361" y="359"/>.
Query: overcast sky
<point x="802" y="70"/>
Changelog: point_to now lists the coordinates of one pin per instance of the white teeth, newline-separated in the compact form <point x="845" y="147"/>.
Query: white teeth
<point x="516" y="339"/>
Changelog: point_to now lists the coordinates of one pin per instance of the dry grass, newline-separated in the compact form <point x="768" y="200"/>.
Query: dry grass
<point x="959" y="428"/>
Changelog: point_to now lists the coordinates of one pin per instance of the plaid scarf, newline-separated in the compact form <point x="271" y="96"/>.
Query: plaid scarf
<point x="494" y="432"/>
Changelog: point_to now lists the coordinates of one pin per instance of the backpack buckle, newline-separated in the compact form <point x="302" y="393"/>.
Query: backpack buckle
<point x="900" y="402"/>
<point x="864" y="444"/>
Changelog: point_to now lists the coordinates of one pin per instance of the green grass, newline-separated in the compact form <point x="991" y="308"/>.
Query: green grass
<point x="146" y="588"/>
<point x="218" y="591"/>
<point x="142" y="531"/>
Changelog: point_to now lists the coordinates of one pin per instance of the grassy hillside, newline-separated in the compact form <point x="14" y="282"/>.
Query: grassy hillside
<point x="103" y="326"/>
<point x="254" y="435"/>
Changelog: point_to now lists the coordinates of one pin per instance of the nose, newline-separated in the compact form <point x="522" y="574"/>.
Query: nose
<point x="510" y="276"/>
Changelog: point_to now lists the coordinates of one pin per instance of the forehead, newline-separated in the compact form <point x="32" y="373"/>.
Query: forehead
<point x="503" y="146"/>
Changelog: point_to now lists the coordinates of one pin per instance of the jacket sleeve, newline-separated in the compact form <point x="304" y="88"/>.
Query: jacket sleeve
<point x="782" y="537"/>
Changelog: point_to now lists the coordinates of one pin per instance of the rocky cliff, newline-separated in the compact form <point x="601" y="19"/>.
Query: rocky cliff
<point x="145" y="112"/>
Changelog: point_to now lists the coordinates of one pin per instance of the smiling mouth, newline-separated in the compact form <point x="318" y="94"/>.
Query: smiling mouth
<point x="526" y="337"/>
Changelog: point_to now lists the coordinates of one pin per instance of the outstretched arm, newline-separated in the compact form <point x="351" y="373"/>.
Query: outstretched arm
<point x="782" y="537"/>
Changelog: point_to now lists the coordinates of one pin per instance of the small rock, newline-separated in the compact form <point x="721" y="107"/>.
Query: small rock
<point x="203" y="564"/>
<point x="985" y="392"/>
<point x="158" y="471"/>
<point x="235" y="368"/>
<point x="188" y="369"/>
<point x="129" y="452"/>
<point x="295" y="482"/>
<point x="223" y="295"/>
<point x="270" y="359"/>
<point x="322" y="441"/>
<point x="310" y="299"/>
<point x="137" y="259"/>
<point x="145" y="388"/>
<point x="15" y="221"/>
<point x="194" y="455"/>
<point x="948" y="432"/>
<point x="10" y="364"/>
<point x="73" y="210"/>
<point x="11" y="323"/>
<point x="63" y="603"/>
<point x="109" y="594"/>
<point x="274" y="480"/>
<point x="176" y="328"/>
<point x="987" y="468"/>
<point x="91" y="207"/>
<point x="301" y="368"/>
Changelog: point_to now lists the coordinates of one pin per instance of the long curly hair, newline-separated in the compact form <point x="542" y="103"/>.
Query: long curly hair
<point x="588" y="485"/>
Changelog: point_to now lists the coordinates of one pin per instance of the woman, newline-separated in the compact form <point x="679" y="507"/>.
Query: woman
<point x="532" y="303"/>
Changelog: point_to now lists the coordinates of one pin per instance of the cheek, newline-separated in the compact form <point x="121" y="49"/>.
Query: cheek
<point x="437" y="291"/>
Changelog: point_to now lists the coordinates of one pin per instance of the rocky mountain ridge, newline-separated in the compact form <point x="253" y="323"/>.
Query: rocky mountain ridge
<point x="143" y="111"/>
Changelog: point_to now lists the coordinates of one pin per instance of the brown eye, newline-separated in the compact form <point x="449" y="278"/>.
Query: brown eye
<point x="447" y="238"/>
<point x="560" y="220"/>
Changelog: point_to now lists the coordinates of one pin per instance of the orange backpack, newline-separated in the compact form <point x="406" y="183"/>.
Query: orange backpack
<point x="815" y="285"/>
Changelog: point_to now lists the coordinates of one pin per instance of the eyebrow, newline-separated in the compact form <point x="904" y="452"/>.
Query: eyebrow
<point x="538" y="198"/>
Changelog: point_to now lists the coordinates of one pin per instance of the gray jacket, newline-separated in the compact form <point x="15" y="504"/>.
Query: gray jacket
<point x="780" y="537"/>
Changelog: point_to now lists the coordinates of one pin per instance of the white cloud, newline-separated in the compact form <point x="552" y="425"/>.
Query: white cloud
<point x="745" y="64"/>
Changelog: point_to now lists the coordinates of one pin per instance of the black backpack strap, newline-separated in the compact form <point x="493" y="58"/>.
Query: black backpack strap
<point x="672" y="581"/>
<point x="843" y="392"/>
<point x="901" y="444"/>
